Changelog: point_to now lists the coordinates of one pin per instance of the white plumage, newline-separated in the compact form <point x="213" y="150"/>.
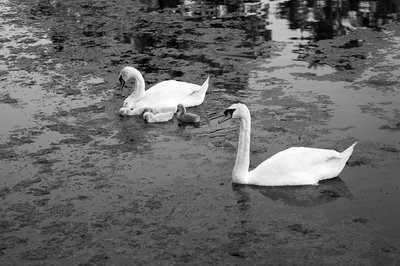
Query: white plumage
<point x="162" y="97"/>
<point x="291" y="167"/>
<point x="157" y="118"/>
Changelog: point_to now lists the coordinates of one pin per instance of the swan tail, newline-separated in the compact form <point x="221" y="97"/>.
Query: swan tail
<point x="334" y="166"/>
<point x="347" y="153"/>
<point x="203" y="89"/>
<point x="197" y="95"/>
<point x="345" y="157"/>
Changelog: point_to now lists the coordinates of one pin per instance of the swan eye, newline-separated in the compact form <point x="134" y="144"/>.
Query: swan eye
<point x="229" y="112"/>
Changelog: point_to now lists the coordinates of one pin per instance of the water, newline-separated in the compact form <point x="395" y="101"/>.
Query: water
<point x="83" y="185"/>
<point x="348" y="101"/>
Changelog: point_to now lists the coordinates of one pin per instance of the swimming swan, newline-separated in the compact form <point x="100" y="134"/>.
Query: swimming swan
<point x="184" y="117"/>
<point x="162" y="97"/>
<point x="157" y="118"/>
<point x="291" y="167"/>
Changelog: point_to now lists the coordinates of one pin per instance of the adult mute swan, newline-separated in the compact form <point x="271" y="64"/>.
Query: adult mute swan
<point x="162" y="97"/>
<point x="292" y="167"/>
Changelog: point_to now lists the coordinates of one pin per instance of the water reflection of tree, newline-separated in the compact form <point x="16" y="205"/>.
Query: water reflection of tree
<point x="329" y="18"/>
<point x="252" y="20"/>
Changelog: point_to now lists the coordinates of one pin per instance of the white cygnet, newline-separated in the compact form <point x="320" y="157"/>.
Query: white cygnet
<point x="156" y="118"/>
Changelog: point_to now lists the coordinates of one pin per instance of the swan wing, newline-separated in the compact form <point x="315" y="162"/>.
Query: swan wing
<point x="298" y="166"/>
<point x="172" y="92"/>
<point x="168" y="92"/>
<point x="171" y="89"/>
<point x="165" y="96"/>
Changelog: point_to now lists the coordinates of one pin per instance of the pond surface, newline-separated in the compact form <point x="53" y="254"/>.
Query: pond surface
<point x="81" y="186"/>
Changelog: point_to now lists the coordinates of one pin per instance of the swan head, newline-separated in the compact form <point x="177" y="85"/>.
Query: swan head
<point x="149" y="110"/>
<point x="147" y="116"/>
<point x="128" y="73"/>
<point x="180" y="109"/>
<point x="235" y="111"/>
<point x="124" y="111"/>
<point x="124" y="75"/>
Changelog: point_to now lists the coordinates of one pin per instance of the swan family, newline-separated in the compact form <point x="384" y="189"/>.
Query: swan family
<point x="163" y="97"/>
<point x="295" y="166"/>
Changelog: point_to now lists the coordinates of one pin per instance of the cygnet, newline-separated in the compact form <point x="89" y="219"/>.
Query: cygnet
<point x="186" y="118"/>
<point x="156" y="118"/>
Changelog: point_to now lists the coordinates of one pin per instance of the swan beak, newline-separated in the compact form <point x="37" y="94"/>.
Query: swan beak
<point x="228" y="115"/>
<point x="122" y="82"/>
<point x="123" y="112"/>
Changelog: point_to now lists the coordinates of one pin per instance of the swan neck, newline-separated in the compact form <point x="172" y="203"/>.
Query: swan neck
<point x="240" y="172"/>
<point x="139" y="88"/>
<point x="181" y="111"/>
<point x="138" y="91"/>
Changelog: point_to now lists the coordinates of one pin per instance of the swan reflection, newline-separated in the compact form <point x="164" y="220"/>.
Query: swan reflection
<point x="301" y="196"/>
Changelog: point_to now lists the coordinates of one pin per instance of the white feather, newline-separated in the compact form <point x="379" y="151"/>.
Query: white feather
<point x="291" y="167"/>
<point x="163" y="97"/>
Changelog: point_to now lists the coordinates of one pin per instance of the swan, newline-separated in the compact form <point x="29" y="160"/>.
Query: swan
<point x="184" y="117"/>
<point x="159" y="117"/>
<point x="292" y="167"/>
<point x="162" y="97"/>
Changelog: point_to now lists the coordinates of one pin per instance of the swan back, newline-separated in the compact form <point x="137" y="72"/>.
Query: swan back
<point x="172" y="92"/>
<point x="300" y="166"/>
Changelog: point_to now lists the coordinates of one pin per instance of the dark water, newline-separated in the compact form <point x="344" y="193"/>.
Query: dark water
<point x="107" y="190"/>
<point x="326" y="19"/>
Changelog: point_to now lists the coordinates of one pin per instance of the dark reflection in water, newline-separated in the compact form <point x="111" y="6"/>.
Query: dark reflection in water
<point x="215" y="36"/>
<point x="161" y="4"/>
<point x="302" y="196"/>
<point x="141" y="42"/>
<point x="330" y="18"/>
<point x="324" y="19"/>
<point x="253" y="14"/>
<point x="43" y="8"/>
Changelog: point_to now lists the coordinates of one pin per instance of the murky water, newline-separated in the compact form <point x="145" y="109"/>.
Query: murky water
<point x="82" y="185"/>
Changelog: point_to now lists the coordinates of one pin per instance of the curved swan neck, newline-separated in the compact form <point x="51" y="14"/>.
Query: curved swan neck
<point x="181" y="110"/>
<point x="130" y="73"/>
<point x="240" y="172"/>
